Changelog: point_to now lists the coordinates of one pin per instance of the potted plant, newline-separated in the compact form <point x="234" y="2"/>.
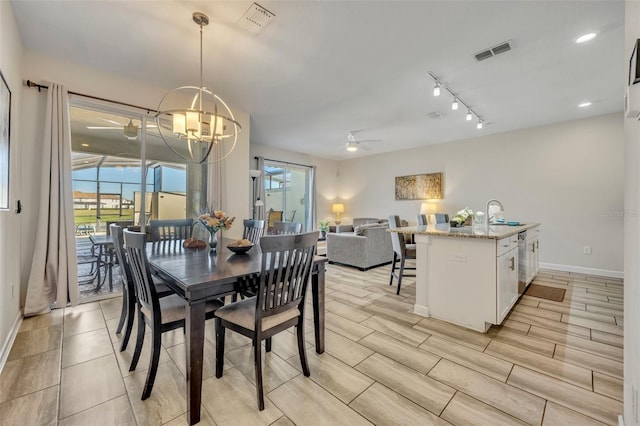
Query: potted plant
<point x="323" y="226"/>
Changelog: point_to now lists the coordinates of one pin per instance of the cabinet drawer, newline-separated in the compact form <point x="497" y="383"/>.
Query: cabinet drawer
<point x="504" y="245"/>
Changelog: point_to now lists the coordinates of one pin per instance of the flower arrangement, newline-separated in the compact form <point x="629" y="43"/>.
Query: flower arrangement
<point x="215" y="221"/>
<point x="460" y="218"/>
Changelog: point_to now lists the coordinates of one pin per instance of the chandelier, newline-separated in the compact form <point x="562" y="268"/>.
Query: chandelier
<point x="195" y="123"/>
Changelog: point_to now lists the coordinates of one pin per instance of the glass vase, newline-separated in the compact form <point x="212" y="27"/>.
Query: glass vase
<point x="213" y="242"/>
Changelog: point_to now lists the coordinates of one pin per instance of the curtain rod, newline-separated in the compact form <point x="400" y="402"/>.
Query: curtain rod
<point x="284" y="162"/>
<point x="30" y="83"/>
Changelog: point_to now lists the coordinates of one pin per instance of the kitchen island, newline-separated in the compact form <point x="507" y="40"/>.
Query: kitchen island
<point x="469" y="276"/>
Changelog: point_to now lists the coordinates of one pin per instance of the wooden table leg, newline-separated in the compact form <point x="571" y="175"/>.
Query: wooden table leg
<point x="194" y="345"/>
<point x="317" y="293"/>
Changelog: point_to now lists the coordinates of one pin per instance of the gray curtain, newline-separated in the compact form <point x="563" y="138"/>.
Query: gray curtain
<point x="54" y="274"/>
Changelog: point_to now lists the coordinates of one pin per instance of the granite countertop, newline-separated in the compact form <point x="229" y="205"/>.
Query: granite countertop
<point x="496" y="232"/>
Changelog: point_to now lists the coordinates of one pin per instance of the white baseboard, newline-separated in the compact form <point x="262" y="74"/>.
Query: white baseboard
<point x="620" y="420"/>
<point x="8" y="342"/>
<point x="581" y="270"/>
<point x="421" y="310"/>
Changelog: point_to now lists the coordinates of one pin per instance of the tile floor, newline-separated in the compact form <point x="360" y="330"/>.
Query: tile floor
<point x="549" y="364"/>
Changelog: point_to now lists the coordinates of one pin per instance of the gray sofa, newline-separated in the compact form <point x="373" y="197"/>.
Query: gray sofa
<point x="368" y="244"/>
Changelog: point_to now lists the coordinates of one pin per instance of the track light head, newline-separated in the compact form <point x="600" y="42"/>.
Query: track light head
<point x="469" y="115"/>
<point x="436" y="89"/>
<point x="480" y="124"/>
<point x="454" y="104"/>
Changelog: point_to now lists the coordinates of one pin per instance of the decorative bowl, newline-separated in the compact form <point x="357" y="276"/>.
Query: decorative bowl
<point x="239" y="249"/>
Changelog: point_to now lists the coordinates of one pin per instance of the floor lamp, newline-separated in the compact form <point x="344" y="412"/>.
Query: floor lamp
<point x="255" y="201"/>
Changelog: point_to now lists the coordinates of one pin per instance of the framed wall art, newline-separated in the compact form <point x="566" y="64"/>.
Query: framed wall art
<point x="5" y="121"/>
<point x="419" y="187"/>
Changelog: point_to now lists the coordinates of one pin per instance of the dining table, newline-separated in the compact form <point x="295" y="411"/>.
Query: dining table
<point x="196" y="275"/>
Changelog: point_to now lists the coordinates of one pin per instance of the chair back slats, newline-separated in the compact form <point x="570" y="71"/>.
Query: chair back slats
<point x="422" y="219"/>
<point x="140" y="272"/>
<point x="121" y="223"/>
<point x="286" y="268"/>
<point x="397" y="239"/>
<point x="125" y="270"/>
<point x="285" y="228"/>
<point x="171" y="229"/>
<point x="253" y="230"/>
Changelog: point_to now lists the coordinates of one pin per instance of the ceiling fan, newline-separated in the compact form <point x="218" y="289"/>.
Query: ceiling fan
<point x="353" y="144"/>
<point x="130" y="130"/>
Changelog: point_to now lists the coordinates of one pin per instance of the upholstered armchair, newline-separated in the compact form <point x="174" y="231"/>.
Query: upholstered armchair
<point x="366" y="246"/>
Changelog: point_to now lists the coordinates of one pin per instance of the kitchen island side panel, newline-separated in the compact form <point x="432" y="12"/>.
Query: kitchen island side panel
<point x="460" y="281"/>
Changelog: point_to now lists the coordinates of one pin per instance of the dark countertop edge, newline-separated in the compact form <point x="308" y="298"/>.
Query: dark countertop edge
<point x="496" y="231"/>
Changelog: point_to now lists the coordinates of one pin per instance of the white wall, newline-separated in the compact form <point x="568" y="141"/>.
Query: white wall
<point x="326" y="175"/>
<point x="632" y="238"/>
<point x="10" y="241"/>
<point x="568" y="176"/>
<point x="89" y="81"/>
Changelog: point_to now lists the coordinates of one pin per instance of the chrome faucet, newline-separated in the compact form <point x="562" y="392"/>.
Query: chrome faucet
<point x="487" y="219"/>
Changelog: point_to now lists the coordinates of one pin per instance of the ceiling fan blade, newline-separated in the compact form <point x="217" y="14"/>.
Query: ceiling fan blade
<point x="103" y="128"/>
<point x="364" y="148"/>
<point x="370" y="140"/>
<point x="110" y="121"/>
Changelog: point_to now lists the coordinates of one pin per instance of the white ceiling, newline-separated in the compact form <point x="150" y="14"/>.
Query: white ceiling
<point x="323" y="68"/>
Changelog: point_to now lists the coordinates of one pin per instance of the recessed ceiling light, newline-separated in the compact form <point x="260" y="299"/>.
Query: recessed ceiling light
<point x="85" y="144"/>
<point x="586" y="37"/>
<point x="584" y="104"/>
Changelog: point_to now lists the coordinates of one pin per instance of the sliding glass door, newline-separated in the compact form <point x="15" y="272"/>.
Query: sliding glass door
<point x="288" y="190"/>
<point x="113" y="183"/>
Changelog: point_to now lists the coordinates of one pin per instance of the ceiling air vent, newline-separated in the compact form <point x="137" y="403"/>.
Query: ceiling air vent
<point x="255" y="18"/>
<point x="434" y="115"/>
<point x="484" y="55"/>
<point x="493" y="51"/>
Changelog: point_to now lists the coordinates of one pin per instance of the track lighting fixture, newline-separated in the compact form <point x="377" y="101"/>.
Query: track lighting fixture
<point x="455" y="104"/>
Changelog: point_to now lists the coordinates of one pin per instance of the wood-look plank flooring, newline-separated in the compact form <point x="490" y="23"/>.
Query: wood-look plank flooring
<point x="549" y="363"/>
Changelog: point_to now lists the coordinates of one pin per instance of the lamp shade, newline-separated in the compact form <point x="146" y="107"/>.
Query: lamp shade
<point x="337" y="208"/>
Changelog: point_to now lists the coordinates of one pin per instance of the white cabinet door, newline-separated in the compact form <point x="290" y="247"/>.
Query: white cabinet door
<point x="532" y="258"/>
<point x="507" y="283"/>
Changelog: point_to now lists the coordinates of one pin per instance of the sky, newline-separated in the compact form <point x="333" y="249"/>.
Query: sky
<point x="111" y="178"/>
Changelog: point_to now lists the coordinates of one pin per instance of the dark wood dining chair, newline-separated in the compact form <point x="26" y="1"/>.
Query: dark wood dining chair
<point x="160" y="314"/>
<point x="401" y="252"/>
<point x="279" y="303"/>
<point x="253" y="229"/>
<point x="284" y="228"/>
<point x="170" y="232"/>
<point x="128" y="287"/>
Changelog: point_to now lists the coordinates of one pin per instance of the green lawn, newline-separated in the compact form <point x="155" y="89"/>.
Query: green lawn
<point x="83" y="216"/>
